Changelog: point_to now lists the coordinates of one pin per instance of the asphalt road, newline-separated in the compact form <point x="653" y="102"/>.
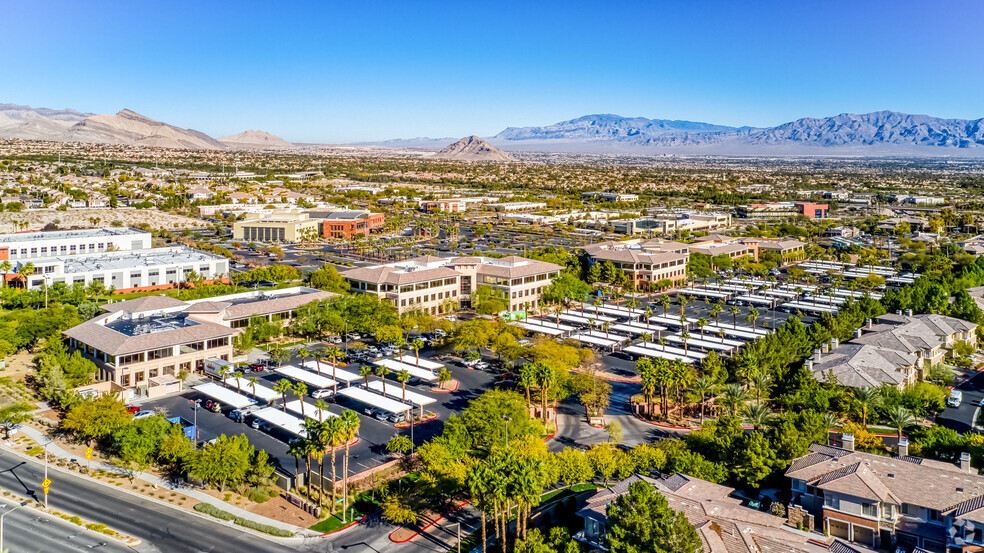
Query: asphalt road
<point x="962" y="418"/>
<point x="162" y="528"/>
<point x="28" y="530"/>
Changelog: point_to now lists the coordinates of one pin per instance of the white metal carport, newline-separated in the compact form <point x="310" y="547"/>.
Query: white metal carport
<point x="376" y="400"/>
<point x="286" y="422"/>
<point x="224" y="395"/>
<point x="307" y="377"/>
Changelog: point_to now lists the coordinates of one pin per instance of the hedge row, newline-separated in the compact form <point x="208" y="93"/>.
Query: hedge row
<point x="214" y="511"/>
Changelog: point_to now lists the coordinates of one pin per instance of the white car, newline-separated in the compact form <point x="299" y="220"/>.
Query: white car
<point x="471" y="363"/>
<point x="322" y="393"/>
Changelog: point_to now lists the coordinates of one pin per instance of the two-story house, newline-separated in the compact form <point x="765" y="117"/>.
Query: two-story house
<point x="903" y="501"/>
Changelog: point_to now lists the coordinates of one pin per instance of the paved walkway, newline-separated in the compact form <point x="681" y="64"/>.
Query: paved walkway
<point x="57" y="451"/>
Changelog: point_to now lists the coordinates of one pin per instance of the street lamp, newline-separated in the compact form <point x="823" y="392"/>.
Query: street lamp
<point x="5" y="513"/>
<point x="458" y="528"/>
<point x="507" y="419"/>
<point x="194" y="444"/>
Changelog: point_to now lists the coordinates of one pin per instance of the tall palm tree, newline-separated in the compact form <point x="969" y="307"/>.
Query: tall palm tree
<point x="647" y="377"/>
<point x="527" y="379"/>
<point x="703" y="387"/>
<point x="545" y="378"/>
<point x="645" y="338"/>
<point x="649" y="313"/>
<point x="662" y="342"/>
<point x="322" y="409"/>
<point x="665" y="302"/>
<point x="333" y="435"/>
<point x="605" y="326"/>
<point x="733" y="396"/>
<point x="752" y="316"/>
<point x="300" y="390"/>
<point x="683" y="377"/>
<point x="758" y="414"/>
<point x="596" y="303"/>
<point x="734" y="310"/>
<point x="296" y="450"/>
<point x="319" y="356"/>
<point x="253" y="381"/>
<point x="311" y="446"/>
<point x="238" y="375"/>
<point x="685" y="336"/>
<point x="303" y="353"/>
<point x="900" y="418"/>
<point x="664" y="378"/>
<point x="761" y="383"/>
<point x="402" y="377"/>
<point x="350" y="427"/>
<point x="866" y="398"/>
<point x="702" y="322"/>
<point x="416" y="345"/>
<point x="364" y="372"/>
<point x="334" y="354"/>
<point x="381" y="372"/>
<point x="283" y="386"/>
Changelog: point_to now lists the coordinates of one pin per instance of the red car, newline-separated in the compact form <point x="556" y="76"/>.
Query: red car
<point x="257" y="367"/>
<point x="132" y="409"/>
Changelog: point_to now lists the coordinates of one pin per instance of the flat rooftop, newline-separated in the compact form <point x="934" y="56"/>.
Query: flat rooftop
<point x="109" y="261"/>
<point x="152" y="324"/>
<point x="67" y="234"/>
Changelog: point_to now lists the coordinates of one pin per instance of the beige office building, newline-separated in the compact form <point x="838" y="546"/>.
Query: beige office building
<point x="277" y="226"/>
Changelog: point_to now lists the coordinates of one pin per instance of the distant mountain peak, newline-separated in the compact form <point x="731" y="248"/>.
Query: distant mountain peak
<point x="473" y="148"/>
<point x="254" y="139"/>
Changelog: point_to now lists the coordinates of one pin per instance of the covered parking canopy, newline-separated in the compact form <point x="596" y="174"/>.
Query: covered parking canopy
<point x="374" y="399"/>
<point x="646" y="352"/>
<point x="307" y="377"/>
<point x="548" y="330"/>
<point x="284" y="421"/>
<point x="396" y="392"/>
<point x="224" y="395"/>
<point x="310" y="411"/>
<point x="261" y="392"/>
<point x="422" y="363"/>
<point x="340" y="375"/>
<point x="396" y="366"/>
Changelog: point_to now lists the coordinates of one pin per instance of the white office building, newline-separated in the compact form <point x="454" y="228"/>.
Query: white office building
<point x="35" y="245"/>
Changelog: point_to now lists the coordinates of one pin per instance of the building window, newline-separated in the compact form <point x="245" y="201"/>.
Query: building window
<point x="125" y="380"/>
<point x="869" y="509"/>
<point x="125" y="360"/>
<point x="151" y="373"/>
<point x="218" y="342"/>
<point x="831" y="502"/>
<point x="934" y="515"/>
<point x="160" y="353"/>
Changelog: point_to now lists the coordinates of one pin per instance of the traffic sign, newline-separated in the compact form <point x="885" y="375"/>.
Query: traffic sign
<point x="88" y="454"/>
<point x="46" y="484"/>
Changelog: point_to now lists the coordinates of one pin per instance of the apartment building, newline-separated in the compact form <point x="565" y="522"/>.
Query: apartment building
<point x="441" y="284"/>
<point x="643" y="260"/>
<point x="36" y="245"/>
<point x="276" y="226"/>
<point x="887" y="502"/>
<point x="723" y="524"/>
<point x="896" y="350"/>
<point x="127" y="271"/>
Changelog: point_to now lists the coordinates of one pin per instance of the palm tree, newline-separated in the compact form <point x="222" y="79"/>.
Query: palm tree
<point x="334" y="354"/>
<point x="322" y="409"/>
<point x="649" y="313"/>
<point x="283" y="386"/>
<point x="416" y="346"/>
<point x="318" y="356"/>
<point x="311" y="446"/>
<point x="364" y="372"/>
<point x="866" y="397"/>
<point x="647" y="376"/>
<point x="762" y="383"/>
<point x="253" y="381"/>
<point x="734" y="310"/>
<point x="303" y="353"/>
<point x="757" y="414"/>
<point x="662" y="342"/>
<point x="900" y="418"/>
<point x="596" y="303"/>
<point x="545" y="378"/>
<point x="350" y="427"/>
<point x="605" y="326"/>
<point x="238" y="375"/>
<point x="702" y="322"/>
<point x="685" y="336"/>
<point x="683" y="377"/>
<point x="300" y="390"/>
<point x="733" y="396"/>
<point x="752" y="316"/>
<point x="381" y="372"/>
<point x="5" y="268"/>
<point x="332" y="436"/>
<point x="665" y="302"/>
<point x="296" y="448"/>
<point x="645" y="338"/>
<point x="664" y="377"/>
<point x="402" y="377"/>
<point x="527" y="379"/>
<point x="720" y="334"/>
<point x="703" y="387"/>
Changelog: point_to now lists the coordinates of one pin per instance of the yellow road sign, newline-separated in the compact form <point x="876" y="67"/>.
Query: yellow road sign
<point x="88" y="454"/>
<point x="46" y="484"/>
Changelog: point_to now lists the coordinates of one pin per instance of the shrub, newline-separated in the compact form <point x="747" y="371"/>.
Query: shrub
<point x="214" y="511"/>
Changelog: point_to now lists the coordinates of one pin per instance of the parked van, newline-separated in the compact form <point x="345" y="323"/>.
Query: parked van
<point x="955" y="398"/>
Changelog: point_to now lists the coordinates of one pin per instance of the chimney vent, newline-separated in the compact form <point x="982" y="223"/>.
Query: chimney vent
<point x="808" y="365"/>
<point x="834" y="342"/>
<point x="817" y="354"/>
<point x="847" y="442"/>
<point x="965" y="461"/>
<point x="904" y="447"/>
<point x="868" y="323"/>
<point x="857" y="332"/>
<point x="898" y="311"/>
<point x="908" y="312"/>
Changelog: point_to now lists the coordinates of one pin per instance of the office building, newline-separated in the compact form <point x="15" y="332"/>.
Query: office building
<point x="276" y="226"/>
<point x="784" y="210"/>
<point x="645" y="261"/>
<point x="35" y="245"/>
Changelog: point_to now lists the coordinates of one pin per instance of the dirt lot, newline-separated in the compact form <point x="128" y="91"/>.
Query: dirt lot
<point x="37" y="219"/>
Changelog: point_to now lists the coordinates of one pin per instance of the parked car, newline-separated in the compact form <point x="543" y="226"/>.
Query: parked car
<point x="212" y="405"/>
<point x="142" y="414"/>
<point x="470" y="362"/>
<point x="133" y="409"/>
<point x="397" y="418"/>
<point x="414" y="381"/>
<point x="261" y="425"/>
<point x="440" y="333"/>
<point x="257" y="367"/>
<point x="481" y="365"/>
<point x="323" y="393"/>
<point x="352" y="336"/>
<point x="373" y="411"/>
<point x="334" y="340"/>
<point x="381" y="414"/>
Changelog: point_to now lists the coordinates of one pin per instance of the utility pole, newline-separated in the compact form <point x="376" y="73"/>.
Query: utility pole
<point x="1" y="520"/>
<point x="46" y="483"/>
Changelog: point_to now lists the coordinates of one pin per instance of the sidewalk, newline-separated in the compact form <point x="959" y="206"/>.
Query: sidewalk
<point x="57" y="451"/>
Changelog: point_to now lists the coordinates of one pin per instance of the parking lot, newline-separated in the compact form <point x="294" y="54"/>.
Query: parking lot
<point x="374" y="434"/>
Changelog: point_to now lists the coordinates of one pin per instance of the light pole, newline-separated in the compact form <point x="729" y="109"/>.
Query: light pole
<point x="46" y="482"/>
<point x="194" y="444"/>
<point x="507" y="419"/>
<point x="5" y="513"/>
<point x="457" y="526"/>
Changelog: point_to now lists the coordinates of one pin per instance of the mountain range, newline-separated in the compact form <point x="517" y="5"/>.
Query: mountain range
<point x="877" y="133"/>
<point x="123" y="127"/>
<point x="473" y="148"/>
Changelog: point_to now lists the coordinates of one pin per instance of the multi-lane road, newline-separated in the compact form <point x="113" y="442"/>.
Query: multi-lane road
<point x="161" y="528"/>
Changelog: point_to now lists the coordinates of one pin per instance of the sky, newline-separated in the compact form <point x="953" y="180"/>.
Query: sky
<point x="337" y="72"/>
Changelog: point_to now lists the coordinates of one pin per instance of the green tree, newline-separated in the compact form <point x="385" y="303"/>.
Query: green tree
<point x="641" y="521"/>
<point x="97" y="418"/>
<point x="12" y="415"/>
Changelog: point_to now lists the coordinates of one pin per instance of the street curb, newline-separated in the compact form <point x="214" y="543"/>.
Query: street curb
<point x="154" y="499"/>
<point x="425" y="528"/>
<point x="130" y="541"/>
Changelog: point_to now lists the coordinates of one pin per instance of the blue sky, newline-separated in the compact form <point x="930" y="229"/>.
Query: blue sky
<point x="363" y="70"/>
